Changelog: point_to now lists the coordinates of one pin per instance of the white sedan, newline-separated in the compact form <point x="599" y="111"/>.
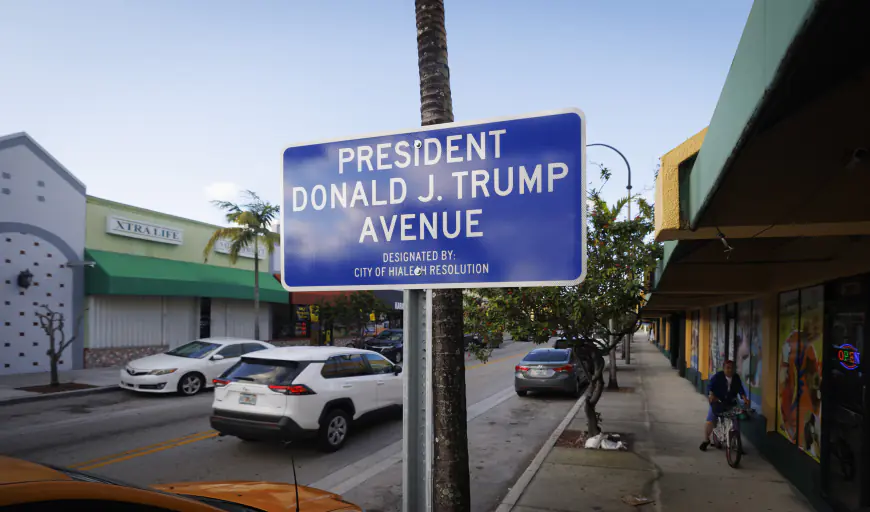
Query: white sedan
<point x="189" y="368"/>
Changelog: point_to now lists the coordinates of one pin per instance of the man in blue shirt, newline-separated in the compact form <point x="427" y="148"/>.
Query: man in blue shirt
<point x="722" y="392"/>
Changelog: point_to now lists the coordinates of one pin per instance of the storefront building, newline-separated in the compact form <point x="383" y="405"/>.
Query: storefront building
<point x="150" y="288"/>
<point x="766" y="230"/>
<point x="42" y="242"/>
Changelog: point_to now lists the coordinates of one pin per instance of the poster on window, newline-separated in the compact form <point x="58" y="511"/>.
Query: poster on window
<point x="810" y="375"/>
<point x="743" y="342"/>
<point x="696" y="335"/>
<point x="789" y="358"/>
<point x="755" y="371"/>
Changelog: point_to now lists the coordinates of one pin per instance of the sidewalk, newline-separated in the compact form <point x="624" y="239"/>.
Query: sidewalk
<point x="662" y="416"/>
<point x="103" y="379"/>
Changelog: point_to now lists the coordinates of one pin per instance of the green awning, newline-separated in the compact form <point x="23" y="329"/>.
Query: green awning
<point x="126" y="274"/>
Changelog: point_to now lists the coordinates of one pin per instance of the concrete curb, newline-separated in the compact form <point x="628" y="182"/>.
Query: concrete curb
<point x="56" y="396"/>
<point x="516" y="492"/>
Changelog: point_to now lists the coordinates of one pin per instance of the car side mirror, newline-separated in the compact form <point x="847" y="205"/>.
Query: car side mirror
<point x="217" y="357"/>
<point x="397" y="369"/>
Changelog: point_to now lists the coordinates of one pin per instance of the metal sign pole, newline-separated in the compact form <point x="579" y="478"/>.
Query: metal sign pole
<point x="417" y="428"/>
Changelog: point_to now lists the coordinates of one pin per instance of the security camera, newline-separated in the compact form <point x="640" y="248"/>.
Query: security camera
<point x="859" y="157"/>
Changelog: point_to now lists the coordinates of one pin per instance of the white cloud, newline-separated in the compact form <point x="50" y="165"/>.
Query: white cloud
<point x="222" y="191"/>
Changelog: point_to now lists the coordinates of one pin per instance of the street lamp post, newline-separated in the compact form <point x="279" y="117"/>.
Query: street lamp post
<point x="626" y="350"/>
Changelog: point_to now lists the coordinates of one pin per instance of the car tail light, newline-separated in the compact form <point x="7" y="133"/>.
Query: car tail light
<point x="293" y="389"/>
<point x="567" y="368"/>
<point x="521" y="368"/>
<point x="219" y="383"/>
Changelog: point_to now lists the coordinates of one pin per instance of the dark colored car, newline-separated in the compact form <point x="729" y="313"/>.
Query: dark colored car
<point x="389" y="343"/>
<point x="472" y="340"/>
<point x="550" y="369"/>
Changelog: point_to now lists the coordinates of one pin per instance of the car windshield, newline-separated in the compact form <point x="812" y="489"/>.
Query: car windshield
<point x="265" y="371"/>
<point x="87" y="477"/>
<point x="547" y="356"/>
<point x="194" y="349"/>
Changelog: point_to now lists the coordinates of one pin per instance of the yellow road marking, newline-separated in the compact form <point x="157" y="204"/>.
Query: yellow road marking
<point x="505" y="358"/>
<point x="144" y="450"/>
<point x="199" y="436"/>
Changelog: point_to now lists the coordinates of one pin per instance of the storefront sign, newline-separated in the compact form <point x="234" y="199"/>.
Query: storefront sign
<point x="223" y="247"/>
<point x="144" y="230"/>
<point x="848" y="356"/>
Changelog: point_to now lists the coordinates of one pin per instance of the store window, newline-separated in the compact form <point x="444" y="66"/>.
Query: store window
<point x="799" y="398"/>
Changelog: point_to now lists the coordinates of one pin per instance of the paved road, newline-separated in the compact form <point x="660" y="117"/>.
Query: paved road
<point x="159" y="439"/>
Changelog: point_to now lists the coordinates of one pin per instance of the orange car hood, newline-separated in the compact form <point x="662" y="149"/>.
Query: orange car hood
<point x="268" y="496"/>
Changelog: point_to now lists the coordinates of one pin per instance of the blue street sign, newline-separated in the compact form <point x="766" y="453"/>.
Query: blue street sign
<point x="492" y="203"/>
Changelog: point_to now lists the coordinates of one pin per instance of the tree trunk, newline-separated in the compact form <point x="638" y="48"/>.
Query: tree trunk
<point x="628" y="340"/>
<point x="55" y="380"/>
<point x="612" y="383"/>
<point x="452" y="480"/>
<point x="593" y="427"/>
<point x="256" y="291"/>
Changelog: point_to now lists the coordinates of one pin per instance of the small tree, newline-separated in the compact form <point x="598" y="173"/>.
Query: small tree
<point x="250" y="229"/>
<point x="352" y="311"/>
<point x="594" y="315"/>
<point x="53" y="324"/>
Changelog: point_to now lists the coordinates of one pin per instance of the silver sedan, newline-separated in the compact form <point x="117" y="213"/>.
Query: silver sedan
<point x="550" y="369"/>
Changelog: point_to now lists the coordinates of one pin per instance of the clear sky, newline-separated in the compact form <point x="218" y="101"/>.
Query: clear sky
<point x="168" y="104"/>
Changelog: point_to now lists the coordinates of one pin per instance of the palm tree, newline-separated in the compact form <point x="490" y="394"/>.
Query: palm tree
<point x="249" y="229"/>
<point x="450" y="472"/>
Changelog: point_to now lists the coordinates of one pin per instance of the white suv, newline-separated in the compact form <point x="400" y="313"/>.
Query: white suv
<point x="290" y="393"/>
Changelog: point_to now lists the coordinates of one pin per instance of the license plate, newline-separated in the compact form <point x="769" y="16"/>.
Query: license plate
<point x="540" y="373"/>
<point x="247" y="399"/>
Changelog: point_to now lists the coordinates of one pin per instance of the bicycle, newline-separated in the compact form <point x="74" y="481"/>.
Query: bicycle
<point x="726" y="434"/>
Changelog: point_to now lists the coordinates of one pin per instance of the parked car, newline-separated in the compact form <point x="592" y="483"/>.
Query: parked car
<point x="293" y="393"/>
<point x="472" y="341"/>
<point x="550" y="369"/>
<point x="389" y="343"/>
<point x="28" y="486"/>
<point x="189" y="368"/>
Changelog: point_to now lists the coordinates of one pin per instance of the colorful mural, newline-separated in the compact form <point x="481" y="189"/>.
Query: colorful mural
<point x="799" y="401"/>
<point x="713" y="359"/>
<point x="789" y="361"/>
<point x="755" y="368"/>
<point x="743" y="342"/>
<point x="696" y="336"/>
<point x="810" y="375"/>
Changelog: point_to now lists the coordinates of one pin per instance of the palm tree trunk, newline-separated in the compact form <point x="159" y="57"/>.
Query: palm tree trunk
<point x="256" y="291"/>
<point x="451" y="475"/>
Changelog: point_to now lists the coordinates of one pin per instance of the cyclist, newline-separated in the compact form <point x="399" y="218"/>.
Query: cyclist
<point x="722" y="392"/>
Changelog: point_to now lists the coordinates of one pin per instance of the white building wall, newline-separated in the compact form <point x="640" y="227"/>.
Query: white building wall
<point x="42" y="228"/>
<point x="235" y="318"/>
<point x="118" y="321"/>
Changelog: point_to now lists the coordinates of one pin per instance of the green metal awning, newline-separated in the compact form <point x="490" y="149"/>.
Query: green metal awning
<point x="126" y="274"/>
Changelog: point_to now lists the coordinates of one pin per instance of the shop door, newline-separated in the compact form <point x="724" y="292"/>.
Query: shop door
<point x="845" y="468"/>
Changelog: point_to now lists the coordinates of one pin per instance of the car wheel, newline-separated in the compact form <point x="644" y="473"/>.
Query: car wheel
<point x="522" y="392"/>
<point x="399" y="357"/>
<point x="334" y="430"/>
<point x="190" y="384"/>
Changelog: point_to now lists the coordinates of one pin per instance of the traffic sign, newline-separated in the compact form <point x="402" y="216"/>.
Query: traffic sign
<point x="492" y="203"/>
